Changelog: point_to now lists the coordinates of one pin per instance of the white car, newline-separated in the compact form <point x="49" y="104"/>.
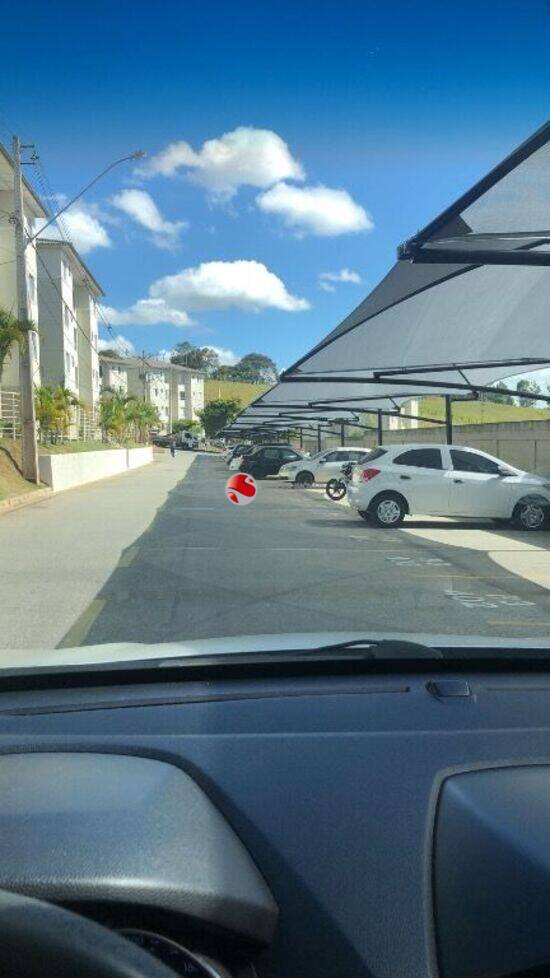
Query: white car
<point x="322" y="467"/>
<point x="446" y="480"/>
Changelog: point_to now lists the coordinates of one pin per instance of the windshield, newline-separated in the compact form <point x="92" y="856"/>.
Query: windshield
<point x="241" y="395"/>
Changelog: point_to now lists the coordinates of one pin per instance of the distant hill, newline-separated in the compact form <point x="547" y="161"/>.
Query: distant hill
<point x="481" y="412"/>
<point x="233" y="390"/>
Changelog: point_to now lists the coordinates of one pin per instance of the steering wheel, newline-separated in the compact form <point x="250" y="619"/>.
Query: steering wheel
<point x="39" y="938"/>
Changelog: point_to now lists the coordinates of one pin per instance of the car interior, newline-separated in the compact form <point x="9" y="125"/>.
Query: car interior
<point x="376" y="809"/>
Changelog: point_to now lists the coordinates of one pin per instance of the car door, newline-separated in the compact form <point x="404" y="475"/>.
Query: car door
<point x="477" y="487"/>
<point x="271" y="461"/>
<point x="326" y="467"/>
<point x="419" y="474"/>
<point x="286" y="455"/>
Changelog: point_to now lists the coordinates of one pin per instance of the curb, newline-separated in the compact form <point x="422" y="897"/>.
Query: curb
<point x="26" y="499"/>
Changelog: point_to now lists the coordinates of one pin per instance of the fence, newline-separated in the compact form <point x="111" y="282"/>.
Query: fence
<point x="525" y="444"/>
<point x="84" y="424"/>
<point x="10" y="414"/>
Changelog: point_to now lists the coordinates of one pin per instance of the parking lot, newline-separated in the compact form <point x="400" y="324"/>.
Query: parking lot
<point x="294" y="561"/>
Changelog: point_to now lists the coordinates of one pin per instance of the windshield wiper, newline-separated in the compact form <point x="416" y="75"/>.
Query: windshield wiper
<point x="371" y="648"/>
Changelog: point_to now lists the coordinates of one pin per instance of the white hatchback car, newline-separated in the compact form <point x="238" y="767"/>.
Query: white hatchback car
<point x="446" y="480"/>
<point x="322" y="467"/>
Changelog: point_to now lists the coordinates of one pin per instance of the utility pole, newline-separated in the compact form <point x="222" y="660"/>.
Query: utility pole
<point x="29" y="455"/>
<point x="449" y="418"/>
<point x="380" y="427"/>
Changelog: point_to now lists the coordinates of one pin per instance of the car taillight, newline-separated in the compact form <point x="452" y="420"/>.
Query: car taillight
<point x="368" y="474"/>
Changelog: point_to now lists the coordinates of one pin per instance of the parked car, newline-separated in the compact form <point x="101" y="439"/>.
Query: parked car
<point x="322" y="467"/>
<point x="236" y="451"/>
<point x="238" y="456"/>
<point x="266" y="460"/>
<point x="444" y="480"/>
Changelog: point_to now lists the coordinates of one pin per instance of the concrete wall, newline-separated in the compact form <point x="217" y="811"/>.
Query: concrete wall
<point x="525" y="444"/>
<point x="77" y="468"/>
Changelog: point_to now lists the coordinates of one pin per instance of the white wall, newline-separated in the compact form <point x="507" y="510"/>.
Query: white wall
<point x="77" y="468"/>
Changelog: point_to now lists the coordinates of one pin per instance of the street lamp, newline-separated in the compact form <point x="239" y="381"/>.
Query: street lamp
<point x="138" y="155"/>
<point x="29" y="453"/>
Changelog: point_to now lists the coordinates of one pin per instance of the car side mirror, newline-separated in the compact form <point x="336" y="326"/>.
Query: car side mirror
<point x="503" y="472"/>
<point x="322" y="461"/>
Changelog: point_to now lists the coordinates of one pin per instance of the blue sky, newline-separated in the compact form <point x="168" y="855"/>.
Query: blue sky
<point x="399" y="104"/>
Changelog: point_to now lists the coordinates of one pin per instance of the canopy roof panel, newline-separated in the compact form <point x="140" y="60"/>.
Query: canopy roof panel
<point x="428" y="312"/>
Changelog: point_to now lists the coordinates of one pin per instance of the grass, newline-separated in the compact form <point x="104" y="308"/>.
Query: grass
<point x="481" y="412"/>
<point x="69" y="447"/>
<point x="233" y="390"/>
<point x="12" y="482"/>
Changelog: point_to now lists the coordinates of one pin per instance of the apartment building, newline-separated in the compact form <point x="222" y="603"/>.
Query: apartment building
<point x="176" y="392"/>
<point x="113" y="373"/>
<point x="67" y="296"/>
<point x="33" y="208"/>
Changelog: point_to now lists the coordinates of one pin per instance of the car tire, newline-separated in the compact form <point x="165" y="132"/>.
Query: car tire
<point x="304" y="479"/>
<point x="388" y="510"/>
<point x="531" y="515"/>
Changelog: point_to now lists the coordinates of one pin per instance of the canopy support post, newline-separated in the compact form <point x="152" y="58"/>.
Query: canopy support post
<point x="379" y="427"/>
<point x="449" y="419"/>
<point x="318" y="437"/>
<point x="301" y="438"/>
<point x="342" y="434"/>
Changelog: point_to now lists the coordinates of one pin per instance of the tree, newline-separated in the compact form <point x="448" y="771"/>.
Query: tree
<point x="113" y="414"/>
<point x="217" y="414"/>
<point x="141" y="417"/>
<point x="186" y="425"/>
<point x="198" y="358"/>
<point x="258" y="368"/>
<point x="111" y="352"/>
<point x="530" y="387"/>
<point x="12" y="330"/>
<point x="254" y="368"/>
<point x="497" y="398"/>
<point x="54" y="411"/>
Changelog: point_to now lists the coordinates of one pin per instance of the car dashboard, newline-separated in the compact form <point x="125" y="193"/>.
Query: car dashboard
<point x="379" y="823"/>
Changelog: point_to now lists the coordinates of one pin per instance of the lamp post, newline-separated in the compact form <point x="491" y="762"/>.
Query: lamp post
<point x="29" y="447"/>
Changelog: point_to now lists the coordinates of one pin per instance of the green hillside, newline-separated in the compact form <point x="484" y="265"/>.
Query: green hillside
<point x="233" y="390"/>
<point x="481" y="412"/>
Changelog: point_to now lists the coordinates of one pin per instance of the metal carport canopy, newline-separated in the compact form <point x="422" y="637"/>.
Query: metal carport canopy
<point x="466" y="303"/>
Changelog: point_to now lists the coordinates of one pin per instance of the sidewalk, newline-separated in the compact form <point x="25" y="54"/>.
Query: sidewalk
<point x="57" y="554"/>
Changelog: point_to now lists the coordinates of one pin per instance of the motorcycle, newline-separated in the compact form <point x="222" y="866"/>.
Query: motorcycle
<point x="336" y="489"/>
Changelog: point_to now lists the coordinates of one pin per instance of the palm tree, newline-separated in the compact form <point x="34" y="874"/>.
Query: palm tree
<point x="54" y="410"/>
<point x="12" y="330"/>
<point x="113" y="414"/>
<point x="142" y="416"/>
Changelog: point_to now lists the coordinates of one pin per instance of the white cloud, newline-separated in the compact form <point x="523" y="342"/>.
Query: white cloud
<point x="326" y="279"/>
<point x="245" y="156"/>
<point x="147" y="312"/>
<point x="122" y="346"/>
<point x="141" y="207"/>
<point x="315" y="210"/>
<point x="165" y="354"/>
<point x="214" y="286"/>
<point x="80" y="225"/>
<point x="226" y="357"/>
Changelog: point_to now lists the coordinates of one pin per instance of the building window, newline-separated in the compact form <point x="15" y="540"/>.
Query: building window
<point x="67" y="363"/>
<point x="75" y="336"/>
<point x="66" y="317"/>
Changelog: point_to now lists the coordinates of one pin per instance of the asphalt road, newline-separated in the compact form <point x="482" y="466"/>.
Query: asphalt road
<point x="167" y="558"/>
